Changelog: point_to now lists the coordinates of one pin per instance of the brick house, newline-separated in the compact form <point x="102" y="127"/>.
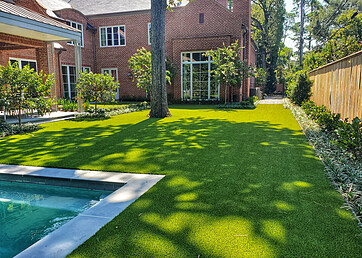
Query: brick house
<point x="111" y="32"/>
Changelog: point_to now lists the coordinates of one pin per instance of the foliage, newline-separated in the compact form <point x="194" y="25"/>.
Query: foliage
<point x="96" y="87"/>
<point x="342" y="169"/>
<point x="22" y="89"/>
<point x="5" y="128"/>
<point x="285" y="65"/>
<point x="326" y="17"/>
<point x="86" y="106"/>
<point x="171" y="70"/>
<point x="260" y="77"/>
<point x="67" y="105"/>
<point x="227" y="65"/>
<point x="344" y="41"/>
<point x="11" y="129"/>
<point x="349" y="136"/>
<point x="141" y="69"/>
<point x="300" y="89"/>
<point x="327" y="120"/>
<point x="267" y="21"/>
<point x="249" y="103"/>
<point x="112" y="111"/>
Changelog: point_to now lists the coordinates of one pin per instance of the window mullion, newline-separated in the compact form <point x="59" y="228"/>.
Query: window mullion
<point x="191" y="77"/>
<point x="119" y="36"/>
<point x="69" y="88"/>
<point x="208" y="78"/>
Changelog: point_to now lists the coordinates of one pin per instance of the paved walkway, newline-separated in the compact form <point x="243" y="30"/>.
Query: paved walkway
<point x="54" y="116"/>
<point x="272" y="100"/>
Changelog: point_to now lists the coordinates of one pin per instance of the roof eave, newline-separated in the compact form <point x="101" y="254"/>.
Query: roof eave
<point x="53" y="33"/>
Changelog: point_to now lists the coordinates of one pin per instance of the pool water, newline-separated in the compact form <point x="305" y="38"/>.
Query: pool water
<point x="28" y="212"/>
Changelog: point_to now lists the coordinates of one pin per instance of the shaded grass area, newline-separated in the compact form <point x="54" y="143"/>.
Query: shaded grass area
<point x="238" y="183"/>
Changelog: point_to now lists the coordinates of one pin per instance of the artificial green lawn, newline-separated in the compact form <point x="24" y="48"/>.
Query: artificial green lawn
<point x="238" y="183"/>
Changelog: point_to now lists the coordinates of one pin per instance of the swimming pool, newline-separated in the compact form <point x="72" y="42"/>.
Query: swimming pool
<point x="125" y="189"/>
<point x="29" y="211"/>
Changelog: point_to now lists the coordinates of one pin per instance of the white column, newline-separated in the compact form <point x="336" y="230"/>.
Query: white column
<point x="51" y="70"/>
<point x="78" y="68"/>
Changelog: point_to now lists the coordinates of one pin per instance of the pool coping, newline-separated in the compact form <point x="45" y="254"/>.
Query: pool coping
<point x="68" y="237"/>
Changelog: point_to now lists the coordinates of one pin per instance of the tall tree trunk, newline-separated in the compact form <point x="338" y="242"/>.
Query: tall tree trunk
<point x="301" y="36"/>
<point x="159" y="107"/>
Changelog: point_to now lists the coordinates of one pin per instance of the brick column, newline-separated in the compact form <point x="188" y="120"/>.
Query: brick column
<point x="42" y="58"/>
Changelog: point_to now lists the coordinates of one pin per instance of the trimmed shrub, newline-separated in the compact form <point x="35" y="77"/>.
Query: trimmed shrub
<point x="349" y="137"/>
<point x="300" y="89"/>
<point x="11" y="129"/>
<point x="327" y="120"/>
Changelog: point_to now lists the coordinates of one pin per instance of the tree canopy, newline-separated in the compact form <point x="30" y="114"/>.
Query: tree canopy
<point x="268" y="18"/>
<point x="96" y="87"/>
<point x="25" y="90"/>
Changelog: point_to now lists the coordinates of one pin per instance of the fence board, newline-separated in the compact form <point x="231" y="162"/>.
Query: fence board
<point x="338" y="86"/>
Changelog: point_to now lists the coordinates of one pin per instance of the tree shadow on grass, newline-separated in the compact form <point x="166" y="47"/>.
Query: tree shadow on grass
<point x="232" y="188"/>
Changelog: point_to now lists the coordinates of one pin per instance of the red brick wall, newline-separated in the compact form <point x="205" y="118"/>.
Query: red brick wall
<point x="24" y="54"/>
<point x="136" y="29"/>
<point x="183" y="33"/>
<point x="67" y="57"/>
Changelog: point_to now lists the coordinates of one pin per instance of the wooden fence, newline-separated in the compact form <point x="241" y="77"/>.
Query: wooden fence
<point x="338" y="86"/>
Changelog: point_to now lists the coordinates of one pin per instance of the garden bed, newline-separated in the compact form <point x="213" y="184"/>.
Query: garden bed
<point x="344" y="171"/>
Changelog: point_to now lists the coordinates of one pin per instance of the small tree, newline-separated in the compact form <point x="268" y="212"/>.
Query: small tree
<point x="141" y="67"/>
<point x="96" y="87"/>
<point x="300" y="88"/>
<point x="22" y="89"/>
<point x="228" y="67"/>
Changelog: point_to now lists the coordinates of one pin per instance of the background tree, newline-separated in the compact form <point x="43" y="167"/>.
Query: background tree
<point x="228" y="67"/>
<point x="267" y="29"/>
<point x="24" y="90"/>
<point x="96" y="87"/>
<point x="141" y="68"/>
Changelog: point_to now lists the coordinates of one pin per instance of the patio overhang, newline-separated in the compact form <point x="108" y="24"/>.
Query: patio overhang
<point x="19" y="21"/>
<point x="22" y="28"/>
<point x="28" y="28"/>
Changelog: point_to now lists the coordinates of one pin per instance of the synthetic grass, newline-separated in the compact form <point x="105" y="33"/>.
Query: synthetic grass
<point x="238" y="183"/>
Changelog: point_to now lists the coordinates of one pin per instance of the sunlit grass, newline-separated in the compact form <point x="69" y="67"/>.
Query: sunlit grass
<point x="239" y="183"/>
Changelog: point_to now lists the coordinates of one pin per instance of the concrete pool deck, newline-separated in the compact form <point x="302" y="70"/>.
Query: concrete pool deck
<point x="68" y="237"/>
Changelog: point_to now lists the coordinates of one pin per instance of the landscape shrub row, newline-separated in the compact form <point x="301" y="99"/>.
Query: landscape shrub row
<point x="91" y="113"/>
<point x="344" y="171"/>
<point x="11" y="129"/>
<point x="249" y="103"/>
<point x="347" y="135"/>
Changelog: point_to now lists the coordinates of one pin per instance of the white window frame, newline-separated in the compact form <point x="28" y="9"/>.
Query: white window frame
<point x="68" y="77"/>
<point x="149" y="33"/>
<point x="209" y="62"/>
<point x="71" y="43"/>
<point x="110" y="70"/>
<point x="26" y="60"/>
<point x="119" y="36"/>
<point x="86" y="67"/>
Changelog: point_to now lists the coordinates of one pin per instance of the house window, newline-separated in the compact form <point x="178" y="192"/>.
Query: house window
<point x="24" y="62"/>
<point x="112" y="36"/>
<point x="114" y="73"/>
<point x="70" y="80"/>
<point x="86" y="69"/>
<point x="78" y="26"/>
<point x="230" y="5"/>
<point x="197" y="81"/>
<point x="149" y="33"/>
<point x="201" y="18"/>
